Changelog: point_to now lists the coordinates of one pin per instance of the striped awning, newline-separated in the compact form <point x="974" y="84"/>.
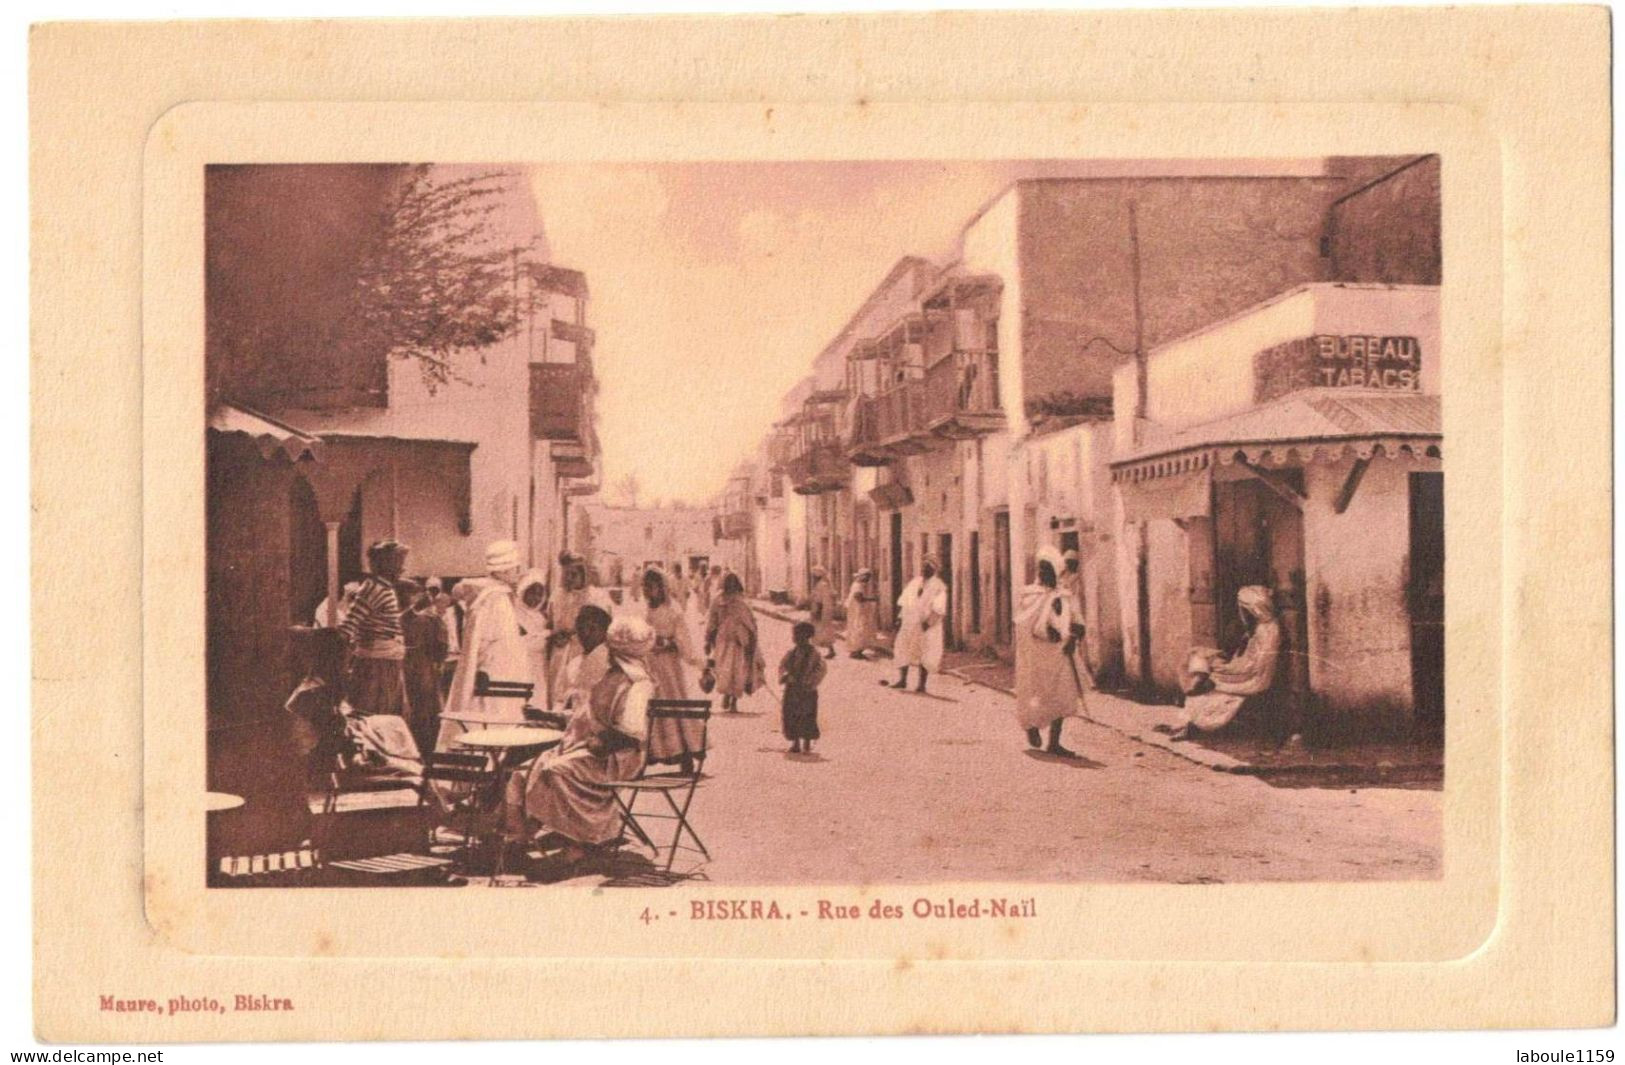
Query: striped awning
<point x="1324" y="424"/>
<point x="272" y="437"/>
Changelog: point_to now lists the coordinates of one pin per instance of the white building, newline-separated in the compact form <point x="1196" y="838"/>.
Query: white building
<point x="1296" y="445"/>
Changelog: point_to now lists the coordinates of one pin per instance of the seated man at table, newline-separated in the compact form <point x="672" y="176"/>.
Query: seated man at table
<point x="584" y="671"/>
<point x="571" y="791"/>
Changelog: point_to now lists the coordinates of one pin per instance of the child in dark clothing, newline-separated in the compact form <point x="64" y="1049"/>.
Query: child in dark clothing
<point x="800" y="673"/>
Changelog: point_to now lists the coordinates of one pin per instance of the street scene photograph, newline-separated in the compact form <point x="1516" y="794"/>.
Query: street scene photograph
<point x="827" y="522"/>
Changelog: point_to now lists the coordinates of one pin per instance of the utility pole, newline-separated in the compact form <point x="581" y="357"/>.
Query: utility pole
<point x="1139" y="320"/>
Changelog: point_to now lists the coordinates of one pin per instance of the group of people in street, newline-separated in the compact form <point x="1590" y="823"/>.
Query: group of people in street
<point x="398" y="667"/>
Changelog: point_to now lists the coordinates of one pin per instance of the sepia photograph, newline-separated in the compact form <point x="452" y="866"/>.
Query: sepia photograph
<point x="824" y="522"/>
<point x="829" y="525"/>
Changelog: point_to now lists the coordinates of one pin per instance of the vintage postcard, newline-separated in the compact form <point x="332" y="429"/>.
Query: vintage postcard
<point x="903" y="536"/>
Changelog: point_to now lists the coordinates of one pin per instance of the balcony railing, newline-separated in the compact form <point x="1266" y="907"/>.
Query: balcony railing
<point x="819" y="467"/>
<point x="962" y="395"/>
<point x="890" y="425"/>
<point x="572" y="333"/>
<point x="781" y="449"/>
<point x="571" y="459"/>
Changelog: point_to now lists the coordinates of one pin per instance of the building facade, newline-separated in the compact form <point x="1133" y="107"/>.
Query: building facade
<point x="980" y="412"/>
<point x="1296" y="446"/>
<point x="313" y="454"/>
<point x="621" y="540"/>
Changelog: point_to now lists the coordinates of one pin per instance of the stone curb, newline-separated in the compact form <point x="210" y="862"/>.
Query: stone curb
<point x="1220" y="763"/>
<point x="1215" y="760"/>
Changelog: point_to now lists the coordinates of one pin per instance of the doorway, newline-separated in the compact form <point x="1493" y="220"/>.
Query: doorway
<point x="945" y="555"/>
<point x="896" y="567"/>
<point x="307" y="553"/>
<point x="350" y="568"/>
<point x="1258" y="539"/>
<point x="975" y="581"/>
<point x="1426" y="595"/>
<point x="1002" y="593"/>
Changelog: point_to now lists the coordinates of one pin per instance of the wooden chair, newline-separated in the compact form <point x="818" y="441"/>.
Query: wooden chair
<point x="674" y="771"/>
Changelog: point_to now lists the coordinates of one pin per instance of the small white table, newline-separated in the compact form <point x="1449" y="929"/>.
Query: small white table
<point x="509" y="738"/>
<point x="507" y="745"/>
<point x="219" y="801"/>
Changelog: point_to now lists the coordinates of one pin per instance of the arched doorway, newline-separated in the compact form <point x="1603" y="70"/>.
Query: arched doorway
<point x="307" y="553"/>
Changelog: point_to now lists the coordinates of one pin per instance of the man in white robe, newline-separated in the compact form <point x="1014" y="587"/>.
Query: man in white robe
<point x="494" y="646"/>
<point x="924" y="610"/>
<point x="1048" y="628"/>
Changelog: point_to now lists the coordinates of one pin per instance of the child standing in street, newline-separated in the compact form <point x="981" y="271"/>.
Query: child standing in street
<point x="800" y="673"/>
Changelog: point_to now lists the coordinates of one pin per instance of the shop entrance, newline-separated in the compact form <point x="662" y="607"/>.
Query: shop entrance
<point x="1426" y="595"/>
<point x="1258" y="539"/>
<point x="945" y="555"/>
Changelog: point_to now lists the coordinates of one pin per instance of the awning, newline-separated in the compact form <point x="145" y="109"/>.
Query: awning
<point x="1173" y="498"/>
<point x="1324" y="424"/>
<point x="272" y="437"/>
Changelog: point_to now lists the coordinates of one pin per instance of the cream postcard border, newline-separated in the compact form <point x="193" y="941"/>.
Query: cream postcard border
<point x="1483" y="942"/>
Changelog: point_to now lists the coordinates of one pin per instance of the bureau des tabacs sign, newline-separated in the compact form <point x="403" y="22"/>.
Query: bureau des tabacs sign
<point x="1326" y="360"/>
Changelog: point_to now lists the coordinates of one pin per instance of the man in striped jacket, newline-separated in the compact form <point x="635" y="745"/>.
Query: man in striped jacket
<point x="376" y="636"/>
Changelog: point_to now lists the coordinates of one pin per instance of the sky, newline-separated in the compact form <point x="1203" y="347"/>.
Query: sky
<point x="715" y="285"/>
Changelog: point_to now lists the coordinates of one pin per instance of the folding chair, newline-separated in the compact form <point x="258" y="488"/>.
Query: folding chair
<point x="502" y="689"/>
<point x="475" y="775"/>
<point x="348" y="775"/>
<point x="673" y="770"/>
<point x="464" y="769"/>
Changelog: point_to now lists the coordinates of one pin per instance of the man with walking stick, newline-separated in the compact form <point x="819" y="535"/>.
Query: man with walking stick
<point x="1049" y="688"/>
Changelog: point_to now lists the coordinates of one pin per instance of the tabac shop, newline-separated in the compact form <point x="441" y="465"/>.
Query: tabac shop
<point x="1296" y="446"/>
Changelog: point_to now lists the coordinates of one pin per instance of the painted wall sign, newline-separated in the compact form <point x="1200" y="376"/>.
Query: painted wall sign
<point x="1390" y="363"/>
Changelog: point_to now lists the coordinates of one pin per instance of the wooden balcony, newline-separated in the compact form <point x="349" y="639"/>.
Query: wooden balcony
<point x="579" y="335"/>
<point x="962" y="395"/>
<point x="863" y="447"/>
<point x="891" y="425"/>
<point x="558" y="401"/>
<point x="819" y="467"/>
<point x="571" y="459"/>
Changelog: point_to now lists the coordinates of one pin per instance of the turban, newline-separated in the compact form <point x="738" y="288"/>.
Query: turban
<point x="930" y="560"/>
<point x="630" y="637"/>
<point x="1257" y="601"/>
<point x="501" y="555"/>
<point x="387" y="546"/>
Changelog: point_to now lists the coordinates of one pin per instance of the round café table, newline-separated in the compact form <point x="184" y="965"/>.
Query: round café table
<point x="219" y="801"/>
<point x="504" y="743"/>
<point x="509" y="738"/>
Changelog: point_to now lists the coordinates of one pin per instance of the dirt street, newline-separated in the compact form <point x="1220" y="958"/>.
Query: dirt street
<point x="909" y="788"/>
